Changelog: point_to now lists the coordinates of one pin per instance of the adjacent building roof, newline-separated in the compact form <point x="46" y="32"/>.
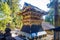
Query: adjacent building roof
<point x="47" y="26"/>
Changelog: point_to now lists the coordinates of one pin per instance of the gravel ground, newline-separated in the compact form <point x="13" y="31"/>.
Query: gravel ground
<point x="48" y="37"/>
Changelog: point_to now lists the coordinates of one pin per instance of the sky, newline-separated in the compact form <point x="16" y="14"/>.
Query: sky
<point x="42" y="4"/>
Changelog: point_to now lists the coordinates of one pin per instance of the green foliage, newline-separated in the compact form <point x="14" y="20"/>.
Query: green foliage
<point x="6" y="11"/>
<point x="15" y="6"/>
<point x="17" y="20"/>
<point x="10" y="15"/>
<point x="50" y="17"/>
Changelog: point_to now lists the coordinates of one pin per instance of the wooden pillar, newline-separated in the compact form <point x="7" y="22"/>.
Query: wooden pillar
<point x="56" y="13"/>
<point x="57" y="22"/>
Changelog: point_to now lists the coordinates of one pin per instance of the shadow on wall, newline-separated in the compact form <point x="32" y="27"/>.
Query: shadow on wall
<point x="32" y="29"/>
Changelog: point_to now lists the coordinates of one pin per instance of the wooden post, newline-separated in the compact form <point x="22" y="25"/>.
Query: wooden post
<point x="56" y="33"/>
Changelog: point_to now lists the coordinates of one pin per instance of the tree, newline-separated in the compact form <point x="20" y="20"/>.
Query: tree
<point x="17" y="20"/>
<point x="19" y="23"/>
<point x="10" y="10"/>
<point x="50" y="17"/>
<point x="6" y="11"/>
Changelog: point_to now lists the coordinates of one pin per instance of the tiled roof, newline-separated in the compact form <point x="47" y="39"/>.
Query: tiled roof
<point x="34" y="8"/>
<point x="47" y="26"/>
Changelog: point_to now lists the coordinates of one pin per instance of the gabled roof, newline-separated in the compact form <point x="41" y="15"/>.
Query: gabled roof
<point x="34" y="8"/>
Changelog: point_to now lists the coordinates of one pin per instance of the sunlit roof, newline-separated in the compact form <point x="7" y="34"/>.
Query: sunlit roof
<point x="42" y="4"/>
